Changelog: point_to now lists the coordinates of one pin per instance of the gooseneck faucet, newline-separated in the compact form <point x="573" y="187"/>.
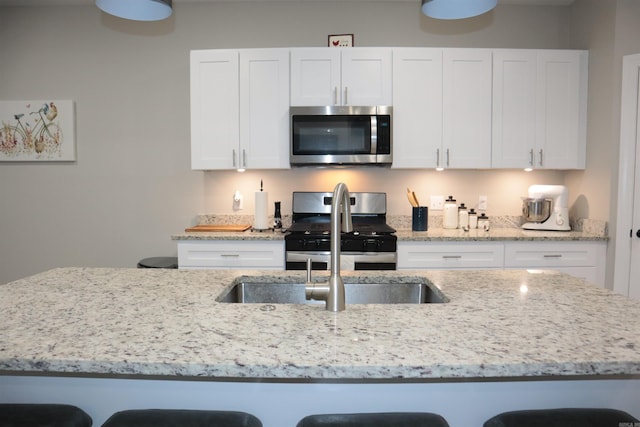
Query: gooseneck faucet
<point x="333" y="291"/>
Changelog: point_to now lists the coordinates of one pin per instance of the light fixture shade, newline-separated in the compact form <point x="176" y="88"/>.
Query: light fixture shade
<point x="137" y="10"/>
<point x="456" y="9"/>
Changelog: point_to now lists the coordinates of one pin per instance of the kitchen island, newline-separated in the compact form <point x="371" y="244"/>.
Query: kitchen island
<point x="107" y="339"/>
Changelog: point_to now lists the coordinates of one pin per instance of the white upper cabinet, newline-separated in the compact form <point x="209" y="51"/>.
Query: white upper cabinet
<point x="539" y="109"/>
<point x="240" y="109"/>
<point x="417" y="107"/>
<point x="442" y="108"/>
<point x="264" y="109"/>
<point x="215" y="114"/>
<point x="341" y="76"/>
<point x="466" y="109"/>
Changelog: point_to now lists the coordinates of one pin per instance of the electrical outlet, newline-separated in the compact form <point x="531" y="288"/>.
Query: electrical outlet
<point x="237" y="201"/>
<point x="482" y="203"/>
<point x="437" y="203"/>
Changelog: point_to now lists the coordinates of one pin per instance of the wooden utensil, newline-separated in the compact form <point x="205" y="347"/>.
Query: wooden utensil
<point x="412" y="198"/>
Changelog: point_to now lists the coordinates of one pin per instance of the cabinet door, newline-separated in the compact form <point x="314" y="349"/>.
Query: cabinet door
<point x="466" y="112"/>
<point x="561" y="109"/>
<point x="514" y="108"/>
<point x="581" y="259"/>
<point x="214" y="109"/>
<point x="228" y="254"/>
<point x="439" y="255"/>
<point x="366" y="76"/>
<point x="417" y="107"/>
<point x="315" y="77"/>
<point x="264" y="109"/>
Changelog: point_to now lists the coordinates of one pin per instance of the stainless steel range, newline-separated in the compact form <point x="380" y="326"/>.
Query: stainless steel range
<point x="371" y="246"/>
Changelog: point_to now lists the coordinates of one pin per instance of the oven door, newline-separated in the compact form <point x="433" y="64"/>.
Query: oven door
<point x="321" y="260"/>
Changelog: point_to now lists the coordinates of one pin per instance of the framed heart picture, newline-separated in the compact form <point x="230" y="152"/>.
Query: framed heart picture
<point x="340" y="40"/>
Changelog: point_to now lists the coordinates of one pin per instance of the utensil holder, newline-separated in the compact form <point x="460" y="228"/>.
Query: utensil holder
<point x="419" y="218"/>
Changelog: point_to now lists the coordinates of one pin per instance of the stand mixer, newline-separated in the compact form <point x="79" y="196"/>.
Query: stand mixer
<point x="546" y="208"/>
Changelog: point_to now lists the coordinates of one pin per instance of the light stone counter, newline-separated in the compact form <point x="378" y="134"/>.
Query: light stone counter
<point x="502" y="229"/>
<point x="496" y="234"/>
<point x="433" y="234"/>
<point x="167" y="323"/>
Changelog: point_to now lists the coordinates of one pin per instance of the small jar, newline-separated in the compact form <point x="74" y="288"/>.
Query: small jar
<point x="463" y="216"/>
<point x="483" y="222"/>
<point x="450" y="217"/>
<point x="473" y="218"/>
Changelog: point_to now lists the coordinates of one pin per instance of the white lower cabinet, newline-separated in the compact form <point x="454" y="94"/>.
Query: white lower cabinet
<point x="232" y="254"/>
<point x="583" y="259"/>
<point x="446" y="255"/>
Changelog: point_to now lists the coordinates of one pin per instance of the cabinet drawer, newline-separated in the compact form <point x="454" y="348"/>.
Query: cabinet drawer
<point x="554" y="254"/>
<point x="447" y="256"/>
<point x="231" y="254"/>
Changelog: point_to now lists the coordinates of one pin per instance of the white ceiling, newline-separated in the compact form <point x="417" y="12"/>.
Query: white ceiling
<point x="86" y="2"/>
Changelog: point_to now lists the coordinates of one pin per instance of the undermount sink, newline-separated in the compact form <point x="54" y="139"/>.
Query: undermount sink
<point x="403" y="290"/>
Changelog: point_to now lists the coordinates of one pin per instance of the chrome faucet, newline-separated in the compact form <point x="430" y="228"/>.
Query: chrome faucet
<point x="333" y="291"/>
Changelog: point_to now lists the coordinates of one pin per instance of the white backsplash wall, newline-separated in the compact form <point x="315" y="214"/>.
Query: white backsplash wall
<point x="504" y="189"/>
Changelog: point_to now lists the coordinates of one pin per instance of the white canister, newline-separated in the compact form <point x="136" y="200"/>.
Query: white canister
<point x="450" y="216"/>
<point x="463" y="216"/>
<point x="473" y="218"/>
<point x="483" y="222"/>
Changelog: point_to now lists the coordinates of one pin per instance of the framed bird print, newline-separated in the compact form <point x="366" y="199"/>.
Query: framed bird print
<point x="341" y="40"/>
<point x="38" y="130"/>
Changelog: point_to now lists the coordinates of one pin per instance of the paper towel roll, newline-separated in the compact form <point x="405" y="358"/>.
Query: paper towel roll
<point x="260" y="221"/>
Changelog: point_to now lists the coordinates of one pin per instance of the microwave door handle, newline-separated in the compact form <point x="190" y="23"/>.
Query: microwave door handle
<point x="374" y="135"/>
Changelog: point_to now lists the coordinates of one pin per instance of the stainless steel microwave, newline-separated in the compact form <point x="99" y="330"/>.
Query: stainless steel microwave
<point x="344" y="135"/>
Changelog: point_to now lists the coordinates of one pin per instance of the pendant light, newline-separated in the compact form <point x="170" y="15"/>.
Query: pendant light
<point x="456" y="9"/>
<point x="137" y="10"/>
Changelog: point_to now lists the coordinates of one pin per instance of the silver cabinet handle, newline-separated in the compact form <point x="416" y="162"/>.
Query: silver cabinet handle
<point x="345" y="101"/>
<point x="448" y="157"/>
<point x="244" y="158"/>
<point x="233" y="155"/>
<point x="541" y="158"/>
<point x="531" y="157"/>
<point x="553" y="256"/>
<point x="451" y="256"/>
<point x="335" y="95"/>
<point x="230" y="255"/>
<point x="437" y="157"/>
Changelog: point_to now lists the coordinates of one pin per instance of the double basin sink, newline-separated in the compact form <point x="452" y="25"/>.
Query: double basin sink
<point x="283" y="290"/>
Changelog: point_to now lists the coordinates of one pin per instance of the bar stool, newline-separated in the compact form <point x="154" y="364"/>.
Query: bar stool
<point x="181" y="417"/>
<point x="387" y="419"/>
<point x="565" y="417"/>
<point x="42" y="415"/>
<point x="159" y="262"/>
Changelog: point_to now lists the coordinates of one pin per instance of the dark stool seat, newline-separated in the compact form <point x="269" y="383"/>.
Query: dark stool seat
<point x="181" y="418"/>
<point x="387" y="419"/>
<point x="159" y="262"/>
<point x="42" y="415"/>
<point x="567" y="417"/>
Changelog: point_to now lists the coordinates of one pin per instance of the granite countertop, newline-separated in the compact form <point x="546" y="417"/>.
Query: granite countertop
<point x="433" y="234"/>
<point x="502" y="229"/>
<point x="167" y="323"/>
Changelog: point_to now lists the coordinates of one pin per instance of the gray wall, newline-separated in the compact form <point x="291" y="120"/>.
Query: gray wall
<point x="131" y="186"/>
